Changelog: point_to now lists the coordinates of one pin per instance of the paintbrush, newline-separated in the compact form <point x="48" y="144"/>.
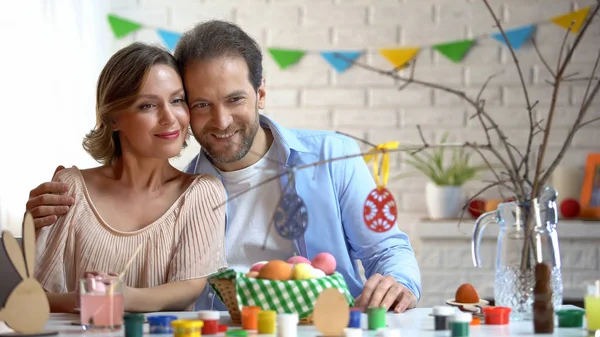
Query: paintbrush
<point x="110" y="289"/>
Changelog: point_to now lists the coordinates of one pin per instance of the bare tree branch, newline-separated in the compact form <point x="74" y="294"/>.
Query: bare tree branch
<point x="542" y="58"/>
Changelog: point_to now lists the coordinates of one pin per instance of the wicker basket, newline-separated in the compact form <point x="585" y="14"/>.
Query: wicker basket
<point x="227" y="289"/>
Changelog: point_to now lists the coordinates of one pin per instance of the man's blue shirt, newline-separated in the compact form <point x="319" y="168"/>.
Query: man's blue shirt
<point x="334" y="194"/>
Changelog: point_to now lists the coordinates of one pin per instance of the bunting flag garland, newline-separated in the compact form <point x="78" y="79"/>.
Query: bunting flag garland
<point x="341" y="61"/>
<point x="576" y="18"/>
<point x="122" y="27"/>
<point x="169" y="38"/>
<point x="516" y="37"/>
<point x="286" y="57"/>
<point x="456" y="50"/>
<point x="398" y="57"/>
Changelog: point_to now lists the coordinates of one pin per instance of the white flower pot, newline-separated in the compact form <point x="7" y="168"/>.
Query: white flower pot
<point x="443" y="202"/>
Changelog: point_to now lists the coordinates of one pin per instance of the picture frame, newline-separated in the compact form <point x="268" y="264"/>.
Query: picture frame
<point x="590" y="191"/>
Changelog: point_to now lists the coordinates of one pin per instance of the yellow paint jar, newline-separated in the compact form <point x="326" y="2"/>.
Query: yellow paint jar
<point x="187" y="328"/>
<point x="266" y="322"/>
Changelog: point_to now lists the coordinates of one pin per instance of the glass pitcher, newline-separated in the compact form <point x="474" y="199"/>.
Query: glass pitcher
<point x="515" y="277"/>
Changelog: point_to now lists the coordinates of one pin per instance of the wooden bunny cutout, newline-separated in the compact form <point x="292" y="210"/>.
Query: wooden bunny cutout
<point x="26" y="309"/>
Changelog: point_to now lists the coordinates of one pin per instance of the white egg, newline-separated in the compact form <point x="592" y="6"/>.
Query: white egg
<point x="318" y="273"/>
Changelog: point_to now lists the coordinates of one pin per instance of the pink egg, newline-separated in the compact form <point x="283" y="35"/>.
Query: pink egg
<point x="257" y="266"/>
<point x="298" y="259"/>
<point x="325" y="262"/>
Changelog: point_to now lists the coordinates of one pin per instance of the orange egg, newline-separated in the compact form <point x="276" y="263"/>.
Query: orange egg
<point x="466" y="293"/>
<point x="276" y="270"/>
<point x="492" y="204"/>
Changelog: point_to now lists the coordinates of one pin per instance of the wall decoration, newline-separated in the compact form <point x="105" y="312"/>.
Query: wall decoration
<point x="590" y="192"/>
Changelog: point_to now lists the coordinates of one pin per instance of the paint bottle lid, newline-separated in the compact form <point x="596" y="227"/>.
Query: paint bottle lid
<point x="267" y="315"/>
<point x="160" y="324"/>
<point x="443" y="310"/>
<point x="237" y="333"/>
<point x="353" y="332"/>
<point x="462" y="317"/>
<point x="287" y="319"/>
<point x="209" y="315"/>
<point x="192" y="324"/>
<point x="133" y="317"/>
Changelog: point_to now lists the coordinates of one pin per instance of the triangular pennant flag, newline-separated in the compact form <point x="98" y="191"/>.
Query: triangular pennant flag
<point x="169" y="38"/>
<point x="576" y="18"/>
<point x="121" y="27"/>
<point x="456" y="50"/>
<point x="286" y="57"/>
<point x="400" y="56"/>
<point x="516" y="36"/>
<point x="340" y="60"/>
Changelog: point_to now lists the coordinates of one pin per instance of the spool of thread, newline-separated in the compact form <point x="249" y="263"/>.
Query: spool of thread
<point x="250" y="318"/>
<point x="266" y="322"/>
<point x="160" y="324"/>
<point x="134" y="324"/>
<point x="460" y="324"/>
<point x="376" y="318"/>
<point x="287" y="325"/>
<point x="211" y="322"/>
<point x="355" y="317"/>
<point x="441" y="316"/>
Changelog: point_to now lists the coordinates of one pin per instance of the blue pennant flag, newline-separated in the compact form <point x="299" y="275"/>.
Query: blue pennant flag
<point x="516" y="36"/>
<point x="340" y="60"/>
<point x="169" y="38"/>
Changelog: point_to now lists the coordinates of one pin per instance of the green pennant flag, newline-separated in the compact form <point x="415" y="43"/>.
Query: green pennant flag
<point x="286" y="57"/>
<point x="121" y="27"/>
<point x="456" y="50"/>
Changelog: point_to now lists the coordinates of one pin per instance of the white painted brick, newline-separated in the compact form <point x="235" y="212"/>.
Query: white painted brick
<point x="415" y="183"/>
<point x="290" y="37"/>
<point x="473" y="14"/>
<point x="444" y="282"/>
<point x="522" y="12"/>
<point x="579" y="256"/>
<point x="297" y="75"/>
<point x="564" y="117"/>
<point x="432" y="116"/>
<point x="483" y="281"/>
<point x="457" y="255"/>
<point x="406" y="136"/>
<point x="587" y="137"/>
<point x="492" y="96"/>
<point x="431" y="256"/>
<point x="164" y="4"/>
<point x="236" y="2"/>
<point x="578" y="92"/>
<point x="333" y="97"/>
<point x="506" y="74"/>
<point x="387" y="118"/>
<point x="282" y="98"/>
<point x="505" y="117"/>
<point x="114" y="4"/>
<point x="331" y="15"/>
<point x="404" y="14"/>
<point x="414" y="202"/>
<point x="272" y="16"/>
<point x="513" y="95"/>
<point x="381" y="36"/>
<point x="415" y="33"/>
<point x="302" y="118"/>
<point x="444" y="75"/>
<point x="147" y="17"/>
<point x="185" y="18"/>
<point x="360" y="77"/>
<point x="399" y="98"/>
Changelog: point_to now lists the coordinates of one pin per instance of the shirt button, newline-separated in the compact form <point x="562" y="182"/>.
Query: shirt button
<point x="210" y="295"/>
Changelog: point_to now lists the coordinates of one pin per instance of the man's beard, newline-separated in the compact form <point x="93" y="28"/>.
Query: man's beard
<point x="233" y="151"/>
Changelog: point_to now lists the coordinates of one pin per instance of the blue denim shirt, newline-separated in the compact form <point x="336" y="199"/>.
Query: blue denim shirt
<point x="334" y="194"/>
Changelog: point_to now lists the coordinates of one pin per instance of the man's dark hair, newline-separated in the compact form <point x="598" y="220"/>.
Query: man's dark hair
<point x="216" y="38"/>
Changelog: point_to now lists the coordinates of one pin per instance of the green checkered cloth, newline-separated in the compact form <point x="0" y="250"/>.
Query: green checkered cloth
<point x="282" y="296"/>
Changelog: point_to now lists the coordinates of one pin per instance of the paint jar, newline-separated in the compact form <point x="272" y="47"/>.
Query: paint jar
<point x="459" y="324"/>
<point x="376" y="318"/>
<point x="266" y="322"/>
<point x="355" y="317"/>
<point x="211" y="322"/>
<point x="570" y="318"/>
<point x="187" y="328"/>
<point x="496" y="315"/>
<point x="250" y="317"/>
<point x="237" y="333"/>
<point x="287" y="325"/>
<point x="441" y="317"/>
<point x="134" y="324"/>
<point x="353" y="332"/>
<point x="160" y="324"/>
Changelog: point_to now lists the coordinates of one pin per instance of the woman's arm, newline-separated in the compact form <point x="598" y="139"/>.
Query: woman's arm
<point x="174" y="296"/>
<point x="65" y="302"/>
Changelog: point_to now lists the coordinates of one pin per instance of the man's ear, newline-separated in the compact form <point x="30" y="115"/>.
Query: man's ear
<point x="260" y="95"/>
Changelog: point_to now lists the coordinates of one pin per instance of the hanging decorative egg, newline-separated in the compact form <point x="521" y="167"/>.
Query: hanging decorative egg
<point x="291" y="217"/>
<point x="380" y="210"/>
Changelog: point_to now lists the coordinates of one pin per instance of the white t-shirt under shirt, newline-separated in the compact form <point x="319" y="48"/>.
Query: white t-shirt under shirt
<point x="250" y="214"/>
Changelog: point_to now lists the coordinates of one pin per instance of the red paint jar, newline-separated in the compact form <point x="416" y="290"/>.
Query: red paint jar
<point x="211" y="322"/>
<point x="496" y="315"/>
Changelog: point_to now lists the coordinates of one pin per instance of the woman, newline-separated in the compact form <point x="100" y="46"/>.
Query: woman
<point x="136" y="199"/>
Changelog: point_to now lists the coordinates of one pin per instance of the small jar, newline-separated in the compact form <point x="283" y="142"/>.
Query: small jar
<point x="460" y="324"/>
<point x="266" y="322"/>
<point x="441" y="316"/>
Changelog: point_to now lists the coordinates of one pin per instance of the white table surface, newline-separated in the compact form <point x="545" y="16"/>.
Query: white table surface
<point x="415" y="322"/>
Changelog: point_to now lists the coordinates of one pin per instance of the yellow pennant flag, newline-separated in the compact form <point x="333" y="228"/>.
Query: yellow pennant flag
<point x="575" y="18"/>
<point x="400" y="56"/>
<point x="385" y="165"/>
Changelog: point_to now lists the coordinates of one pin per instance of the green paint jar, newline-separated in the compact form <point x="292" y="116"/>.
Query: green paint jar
<point x="376" y="317"/>
<point x="459" y="325"/>
<point x="134" y="324"/>
<point x="570" y="318"/>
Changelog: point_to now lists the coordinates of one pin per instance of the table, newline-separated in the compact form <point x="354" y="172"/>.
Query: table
<point x="415" y="322"/>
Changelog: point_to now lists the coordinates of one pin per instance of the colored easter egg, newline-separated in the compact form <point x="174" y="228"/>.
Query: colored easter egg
<point x="298" y="259"/>
<point x="302" y="271"/>
<point x="291" y="217"/>
<point x="257" y="266"/>
<point x="380" y="210"/>
<point x="492" y="204"/>
<point x="476" y="207"/>
<point x="570" y="208"/>
<point x="324" y="261"/>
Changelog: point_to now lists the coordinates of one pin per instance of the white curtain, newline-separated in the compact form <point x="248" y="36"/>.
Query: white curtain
<point x="52" y="54"/>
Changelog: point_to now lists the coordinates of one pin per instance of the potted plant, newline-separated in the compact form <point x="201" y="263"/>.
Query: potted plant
<point x="446" y="175"/>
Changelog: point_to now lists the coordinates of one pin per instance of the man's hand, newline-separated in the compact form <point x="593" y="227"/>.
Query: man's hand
<point x="46" y="202"/>
<point x="385" y="292"/>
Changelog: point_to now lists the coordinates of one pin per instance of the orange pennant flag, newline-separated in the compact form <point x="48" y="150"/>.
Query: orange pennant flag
<point x="400" y="56"/>
<point x="575" y="18"/>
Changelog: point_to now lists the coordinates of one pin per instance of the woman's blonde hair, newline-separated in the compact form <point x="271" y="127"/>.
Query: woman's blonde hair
<point x="118" y="87"/>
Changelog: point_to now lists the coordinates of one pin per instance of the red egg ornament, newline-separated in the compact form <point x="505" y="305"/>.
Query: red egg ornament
<point x="476" y="207"/>
<point x="380" y="210"/>
<point x="570" y="208"/>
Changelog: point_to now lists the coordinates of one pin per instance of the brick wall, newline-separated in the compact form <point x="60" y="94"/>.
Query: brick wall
<point x="312" y="95"/>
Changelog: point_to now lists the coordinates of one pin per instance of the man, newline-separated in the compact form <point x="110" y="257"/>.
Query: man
<point x="222" y="70"/>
